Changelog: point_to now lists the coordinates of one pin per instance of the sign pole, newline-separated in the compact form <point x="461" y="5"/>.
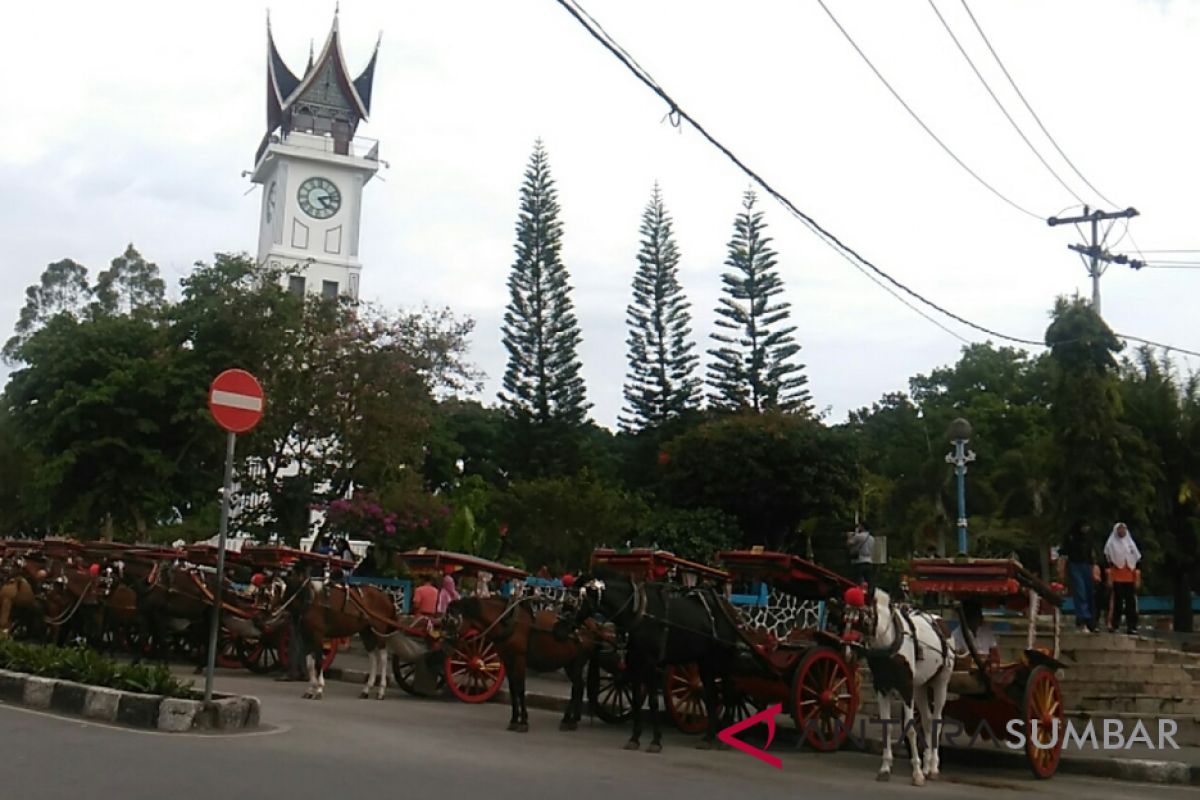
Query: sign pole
<point x="216" y="617"/>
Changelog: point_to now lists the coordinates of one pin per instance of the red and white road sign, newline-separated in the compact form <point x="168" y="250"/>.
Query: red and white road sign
<point x="236" y="400"/>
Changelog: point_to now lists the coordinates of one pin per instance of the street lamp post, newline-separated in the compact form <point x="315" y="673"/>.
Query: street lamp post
<point x="960" y="434"/>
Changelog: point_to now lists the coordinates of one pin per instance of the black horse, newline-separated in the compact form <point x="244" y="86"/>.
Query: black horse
<point x="665" y="626"/>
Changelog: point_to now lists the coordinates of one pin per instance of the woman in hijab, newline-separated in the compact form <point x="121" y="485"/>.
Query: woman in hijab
<point x="1123" y="576"/>
<point x="448" y="594"/>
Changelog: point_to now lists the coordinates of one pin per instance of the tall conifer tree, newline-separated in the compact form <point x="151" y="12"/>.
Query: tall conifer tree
<point x="661" y="383"/>
<point x="755" y="367"/>
<point x="543" y="390"/>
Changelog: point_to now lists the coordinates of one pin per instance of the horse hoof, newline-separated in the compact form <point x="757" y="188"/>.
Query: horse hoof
<point x="883" y="777"/>
<point x="704" y="744"/>
<point x="632" y="745"/>
<point x="364" y="696"/>
<point x="918" y="780"/>
<point x="654" y="747"/>
<point x="523" y="727"/>
<point x="568" y="726"/>
<point x="933" y="776"/>
<point x="512" y="726"/>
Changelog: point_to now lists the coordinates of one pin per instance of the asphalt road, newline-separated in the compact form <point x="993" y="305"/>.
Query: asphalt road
<point x="346" y="747"/>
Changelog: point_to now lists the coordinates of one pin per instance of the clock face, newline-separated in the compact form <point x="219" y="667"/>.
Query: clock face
<point x="319" y="198"/>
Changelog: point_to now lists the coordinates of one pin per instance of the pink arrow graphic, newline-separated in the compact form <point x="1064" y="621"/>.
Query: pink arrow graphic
<point x="766" y="715"/>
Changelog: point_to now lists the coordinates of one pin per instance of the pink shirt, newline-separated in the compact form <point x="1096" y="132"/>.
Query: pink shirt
<point x="425" y="600"/>
<point x="447" y="595"/>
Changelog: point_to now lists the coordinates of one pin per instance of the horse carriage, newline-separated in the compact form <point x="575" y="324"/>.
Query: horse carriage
<point x="610" y="693"/>
<point x="472" y="670"/>
<point x="987" y="696"/>
<point x="271" y="649"/>
<point x="798" y="658"/>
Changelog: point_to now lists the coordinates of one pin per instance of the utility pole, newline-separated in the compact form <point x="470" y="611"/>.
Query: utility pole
<point x="1094" y="253"/>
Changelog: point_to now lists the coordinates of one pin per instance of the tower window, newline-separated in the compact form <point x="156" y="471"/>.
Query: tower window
<point x="296" y="285"/>
<point x="329" y="290"/>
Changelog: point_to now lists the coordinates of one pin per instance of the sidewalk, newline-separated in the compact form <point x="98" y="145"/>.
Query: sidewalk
<point x="1139" y="763"/>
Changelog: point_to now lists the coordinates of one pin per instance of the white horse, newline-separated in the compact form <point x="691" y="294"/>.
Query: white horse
<point x="892" y="636"/>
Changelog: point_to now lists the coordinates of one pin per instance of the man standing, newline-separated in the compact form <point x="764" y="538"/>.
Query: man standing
<point x="1077" y="551"/>
<point x="861" y="545"/>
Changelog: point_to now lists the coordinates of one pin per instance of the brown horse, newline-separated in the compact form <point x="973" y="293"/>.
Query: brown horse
<point x="526" y="640"/>
<point x="323" y="610"/>
<point x="17" y="596"/>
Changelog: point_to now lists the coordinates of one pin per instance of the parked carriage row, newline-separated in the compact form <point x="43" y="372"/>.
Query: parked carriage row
<point x="792" y="644"/>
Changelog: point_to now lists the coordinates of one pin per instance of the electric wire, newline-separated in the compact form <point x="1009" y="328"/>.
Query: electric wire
<point x="831" y="240"/>
<point x="1021" y="95"/>
<point x="921" y="122"/>
<point x="1000" y="105"/>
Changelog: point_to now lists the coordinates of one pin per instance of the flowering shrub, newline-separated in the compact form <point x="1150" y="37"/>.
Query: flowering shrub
<point x="364" y="517"/>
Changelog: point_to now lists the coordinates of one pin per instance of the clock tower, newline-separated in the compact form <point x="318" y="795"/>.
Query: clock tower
<point x="313" y="169"/>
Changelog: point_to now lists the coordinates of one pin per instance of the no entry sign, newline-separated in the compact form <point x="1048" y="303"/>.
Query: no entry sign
<point x="236" y="400"/>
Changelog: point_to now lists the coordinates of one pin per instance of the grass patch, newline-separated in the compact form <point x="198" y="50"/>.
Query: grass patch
<point x="84" y="665"/>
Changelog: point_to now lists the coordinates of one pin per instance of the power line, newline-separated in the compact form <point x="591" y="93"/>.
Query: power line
<point x="1168" y="251"/>
<point x="1038" y="119"/>
<point x="921" y="122"/>
<point x="832" y="241"/>
<point x="1000" y="105"/>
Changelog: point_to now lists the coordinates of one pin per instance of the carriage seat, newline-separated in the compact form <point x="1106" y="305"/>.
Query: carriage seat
<point x="967" y="682"/>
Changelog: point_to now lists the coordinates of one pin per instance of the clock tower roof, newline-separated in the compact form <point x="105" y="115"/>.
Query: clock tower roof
<point x="326" y="99"/>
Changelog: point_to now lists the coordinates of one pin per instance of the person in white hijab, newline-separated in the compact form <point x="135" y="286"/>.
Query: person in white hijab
<point x="1123" y="556"/>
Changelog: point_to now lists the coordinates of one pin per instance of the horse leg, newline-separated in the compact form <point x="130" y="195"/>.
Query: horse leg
<point x="709" y="685"/>
<point x="639" y="679"/>
<point x="570" y="720"/>
<point x="516" y="684"/>
<point x="655" y="724"/>
<point x="921" y="704"/>
<point x="884" y="703"/>
<point x="515" y="719"/>
<point x="381" y="654"/>
<point x="366" y="690"/>
<point x="910" y="735"/>
<point x="939" y="688"/>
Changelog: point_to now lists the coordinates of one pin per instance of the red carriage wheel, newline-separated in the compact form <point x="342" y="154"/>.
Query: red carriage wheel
<point x="474" y="669"/>
<point x="683" y="695"/>
<point x="824" y="698"/>
<point x="1044" y="705"/>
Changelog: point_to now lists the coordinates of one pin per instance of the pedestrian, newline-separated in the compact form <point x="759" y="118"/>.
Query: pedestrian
<point x="1078" y="553"/>
<point x="1124" y="576"/>
<point x="425" y="598"/>
<point x="449" y="592"/>
<point x="861" y="546"/>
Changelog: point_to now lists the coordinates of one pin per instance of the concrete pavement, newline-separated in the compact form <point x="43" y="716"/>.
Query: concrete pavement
<point x="344" y="747"/>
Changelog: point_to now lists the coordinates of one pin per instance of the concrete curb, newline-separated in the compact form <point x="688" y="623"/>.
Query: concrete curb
<point x="166" y="714"/>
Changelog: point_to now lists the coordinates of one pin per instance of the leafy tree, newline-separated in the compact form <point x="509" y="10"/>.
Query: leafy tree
<point x="661" y="384"/>
<point x="1100" y="469"/>
<point x="769" y="471"/>
<point x="1166" y="411"/>
<point x="63" y="289"/>
<point x="559" y="521"/>
<point x="544" y="393"/>
<point x="94" y="403"/>
<point x="130" y="285"/>
<point x="697" y="534"/>
<point x="755" y="365"/>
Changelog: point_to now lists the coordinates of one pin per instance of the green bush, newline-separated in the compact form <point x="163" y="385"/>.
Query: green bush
<point x="83" y="665"/>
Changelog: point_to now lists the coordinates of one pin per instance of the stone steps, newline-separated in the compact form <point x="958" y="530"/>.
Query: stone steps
<point x="1091" y="672"/>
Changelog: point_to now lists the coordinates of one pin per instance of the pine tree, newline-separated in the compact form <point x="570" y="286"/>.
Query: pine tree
<point x="543" y="390"/>
<point x="661" y="383"/>
<point x="755" y="367"/>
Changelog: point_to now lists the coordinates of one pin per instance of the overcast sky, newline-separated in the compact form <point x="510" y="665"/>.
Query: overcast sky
<point x="132" y="122"/>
